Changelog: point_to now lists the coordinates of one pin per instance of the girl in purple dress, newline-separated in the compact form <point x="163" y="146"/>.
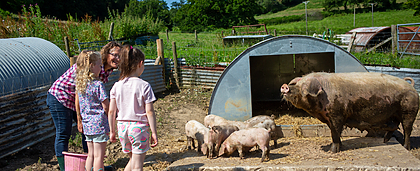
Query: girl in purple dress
<point x="92" y="108"/>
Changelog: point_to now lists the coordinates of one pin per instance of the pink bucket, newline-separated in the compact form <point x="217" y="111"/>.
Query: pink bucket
<point x="74" y="161"/>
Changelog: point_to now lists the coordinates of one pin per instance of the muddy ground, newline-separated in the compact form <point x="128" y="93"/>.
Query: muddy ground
<point x="173" y="110"/>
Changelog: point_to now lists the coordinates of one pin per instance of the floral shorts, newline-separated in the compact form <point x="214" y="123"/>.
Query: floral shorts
<point x="134" y="136"/>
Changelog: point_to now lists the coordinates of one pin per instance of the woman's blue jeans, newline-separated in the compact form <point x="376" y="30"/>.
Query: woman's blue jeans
<point x="63" y="119"/>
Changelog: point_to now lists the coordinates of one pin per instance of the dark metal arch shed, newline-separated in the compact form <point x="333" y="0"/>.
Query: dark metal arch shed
<point x="255" y="76"/>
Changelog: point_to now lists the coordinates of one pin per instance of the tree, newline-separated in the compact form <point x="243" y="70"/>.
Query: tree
<point x="331" y="5"/>
<point x="414" y="4"/>
<point x="97" y="9"/>
<point x="207" y="14"/>
<point x="156" y="9"/>
<point x="271" y="6"/>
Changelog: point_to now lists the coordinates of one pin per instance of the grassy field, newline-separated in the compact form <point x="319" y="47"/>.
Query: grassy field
<point x="339" y="23"/>
<point x="312" y="7"/>
<point x="343" y="23"/>
<point x="206" y="50"/>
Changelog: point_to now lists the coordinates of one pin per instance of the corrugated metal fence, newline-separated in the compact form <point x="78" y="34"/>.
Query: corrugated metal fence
<point x="199" y="77"/>
<point x="399" y="72"/>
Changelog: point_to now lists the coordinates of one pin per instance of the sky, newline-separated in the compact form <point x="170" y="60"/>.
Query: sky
<point x="169" y="2"/>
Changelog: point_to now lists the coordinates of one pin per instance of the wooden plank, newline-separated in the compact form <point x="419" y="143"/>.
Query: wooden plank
<point x="380" y="44"/>
<point x="353" y="37"/>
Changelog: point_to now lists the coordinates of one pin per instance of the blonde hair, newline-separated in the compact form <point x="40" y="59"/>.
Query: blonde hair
<point x="83" y="74"/>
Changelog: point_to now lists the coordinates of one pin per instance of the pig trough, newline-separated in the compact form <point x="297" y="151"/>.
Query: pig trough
<point x="250" y="85"/>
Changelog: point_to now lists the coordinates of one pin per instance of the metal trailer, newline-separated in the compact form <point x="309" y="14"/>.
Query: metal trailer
<point x="250" y="85"/>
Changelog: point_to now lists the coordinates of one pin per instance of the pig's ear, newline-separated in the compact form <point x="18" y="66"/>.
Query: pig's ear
<point x="311" y="87"/>
<point x="216" y="129"/>
<point x="222" y="150"/>
<point x="204" y="149"/>
<point x="315" y="89"/>
<point x="295" y="80"/>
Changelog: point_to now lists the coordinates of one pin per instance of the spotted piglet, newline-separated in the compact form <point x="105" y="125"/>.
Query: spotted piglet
<point x="244" y="140"/>
<point x="196" y="130"/>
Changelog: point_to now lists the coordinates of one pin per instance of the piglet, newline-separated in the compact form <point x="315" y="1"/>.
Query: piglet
<point x="267" y="122"/>
<point x="244" y="140"/>
<point x="214" y="120"/>
<point x="216" y="135"/>
<point x="196" y="130"/>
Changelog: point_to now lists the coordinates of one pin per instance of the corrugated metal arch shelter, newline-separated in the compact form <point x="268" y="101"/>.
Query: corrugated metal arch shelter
<point x="28" y="63"/>
<point x="28" y="67"/>
<point x="254" y="78"/>
<point x="368" y="37"/>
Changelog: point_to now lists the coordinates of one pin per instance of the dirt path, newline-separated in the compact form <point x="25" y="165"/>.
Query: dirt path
<point x="173" y="110"/>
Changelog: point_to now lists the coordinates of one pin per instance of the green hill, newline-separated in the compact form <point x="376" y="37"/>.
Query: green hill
<point x="339" y="23"/>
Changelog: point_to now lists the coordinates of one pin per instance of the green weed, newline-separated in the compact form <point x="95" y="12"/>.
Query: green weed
<point x="388" y="59"/>
<point x="76" y="140"/>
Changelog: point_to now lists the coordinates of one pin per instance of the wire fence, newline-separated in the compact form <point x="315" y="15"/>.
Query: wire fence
<point x="195" y="55"/>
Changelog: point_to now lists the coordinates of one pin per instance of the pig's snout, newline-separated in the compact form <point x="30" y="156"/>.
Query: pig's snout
<point x="284" y="89"/>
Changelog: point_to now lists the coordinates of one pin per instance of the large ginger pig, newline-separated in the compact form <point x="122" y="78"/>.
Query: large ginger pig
<point x="362" y="100"/>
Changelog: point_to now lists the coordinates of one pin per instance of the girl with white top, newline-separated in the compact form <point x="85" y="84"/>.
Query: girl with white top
<point x="132" y="101"/>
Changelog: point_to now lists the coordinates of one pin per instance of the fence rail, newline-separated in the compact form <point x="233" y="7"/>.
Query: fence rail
<point x="408" y="37"/>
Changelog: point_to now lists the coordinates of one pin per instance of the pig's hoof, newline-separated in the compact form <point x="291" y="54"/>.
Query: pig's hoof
<point x="335" y="147"/>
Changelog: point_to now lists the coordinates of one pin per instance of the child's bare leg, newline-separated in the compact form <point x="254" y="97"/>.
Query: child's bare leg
<point x="137" y="161"/>
<point x="90" y="157"/>
<point x="99" y="153"/>
<point x="128" y="166"/>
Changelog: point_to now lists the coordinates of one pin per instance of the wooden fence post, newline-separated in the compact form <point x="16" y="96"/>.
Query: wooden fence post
<point x="72" y="59"/>
<point x="167" y="36"/>
<point x="275" y="33"/>
<point x="66" y="43"/>
<point x="196" y="37"/>
<point x="394" y="39"/>
<point x="161" y="57"/>
<point x="175" y="58"/>
<point x="111" y="29"/>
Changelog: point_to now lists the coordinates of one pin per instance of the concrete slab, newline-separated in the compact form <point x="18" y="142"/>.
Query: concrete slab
<point x="358" y="153"/>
